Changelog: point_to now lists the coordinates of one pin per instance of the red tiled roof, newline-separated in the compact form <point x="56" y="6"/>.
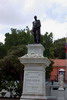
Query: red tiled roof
<point x="59" y="62"/>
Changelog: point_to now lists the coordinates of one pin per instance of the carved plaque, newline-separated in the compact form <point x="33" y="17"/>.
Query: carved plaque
<point x="33" y="82"/>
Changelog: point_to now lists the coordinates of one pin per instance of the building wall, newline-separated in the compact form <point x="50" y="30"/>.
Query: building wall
<point x="55" y="73"/>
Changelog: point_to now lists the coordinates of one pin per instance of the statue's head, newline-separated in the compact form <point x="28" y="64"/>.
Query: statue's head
<point x="35" y="17"/>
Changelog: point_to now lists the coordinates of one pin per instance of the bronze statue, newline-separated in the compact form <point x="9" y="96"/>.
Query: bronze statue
<point x="36" y="30"/>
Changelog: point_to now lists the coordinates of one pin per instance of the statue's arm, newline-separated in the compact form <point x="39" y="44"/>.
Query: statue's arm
<point x="39" y="24"/>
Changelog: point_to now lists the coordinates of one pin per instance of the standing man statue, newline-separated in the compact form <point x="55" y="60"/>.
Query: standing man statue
<point x="36" y="30"/>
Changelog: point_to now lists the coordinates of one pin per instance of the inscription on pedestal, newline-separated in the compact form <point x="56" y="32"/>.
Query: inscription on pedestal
<point x="33" y="82"/>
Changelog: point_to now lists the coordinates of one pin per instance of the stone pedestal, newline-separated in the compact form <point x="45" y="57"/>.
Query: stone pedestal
<point x="61" y="91"/>
<point x="61" y="94"/>
<point x="34" y="73"/>
<point x="36" y="49"/>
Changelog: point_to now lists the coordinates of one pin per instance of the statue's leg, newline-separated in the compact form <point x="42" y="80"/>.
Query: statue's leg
<point x="38" y="36"/>
<point x="37" y="41"/>
<point x="35" y="37"/>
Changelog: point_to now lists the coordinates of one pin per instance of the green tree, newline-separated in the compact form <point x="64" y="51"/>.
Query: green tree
<point x="18" y="50"/>
<point x="11" y="70"/>
<point x="48" y="70"/>
<point x="3" y="51"/>
<point x="11" y="39"/>
<point x="10" y="67"/>
<point x="18" y="37"/>
<point x="47" y="41"/>
<point x="59" y="48"/>
<point x="11" y="61"/>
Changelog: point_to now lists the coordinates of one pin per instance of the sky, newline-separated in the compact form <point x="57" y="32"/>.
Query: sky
<point x="20" y="13"/>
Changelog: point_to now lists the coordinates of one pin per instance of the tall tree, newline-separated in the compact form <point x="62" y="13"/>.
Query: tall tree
<point x="11" y="39"/>
<point x="3" y="51"/>
<point x="59" y="48"/>
<point x="18" y="37"/>
<point x="18" y="50"/>
<point x="47" y="41"/>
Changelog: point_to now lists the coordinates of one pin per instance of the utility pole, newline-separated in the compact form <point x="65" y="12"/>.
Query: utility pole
<point x="66" y="60"/>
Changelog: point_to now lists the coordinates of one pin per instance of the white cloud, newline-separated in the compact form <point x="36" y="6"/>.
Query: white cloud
<point x="59" y="30"/>
<point x="61" y="2"/>
<point x="2" y="37"/>
<point x="28" y="5"/>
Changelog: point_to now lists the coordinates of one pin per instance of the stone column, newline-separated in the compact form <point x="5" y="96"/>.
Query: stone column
<point x="61" y="91"/>
<point x="61" y="94"/>
<point x="34" y="73"/>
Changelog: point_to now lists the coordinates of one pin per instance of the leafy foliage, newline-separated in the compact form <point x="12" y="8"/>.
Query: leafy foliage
<point x="48" y="43"/>
<point x="18" y="50"/>
<point x="48" y="70"/>
<point x="3" y="51"/>
<point x="10" y="67"/>
<point x="59" y="48"/>
<point x="18" y="37"/>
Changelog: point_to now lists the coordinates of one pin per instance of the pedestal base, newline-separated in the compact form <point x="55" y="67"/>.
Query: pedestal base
<point x="61" y="95"/>
<point x="38" y="98"/>
<point x="61" y="89"/>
